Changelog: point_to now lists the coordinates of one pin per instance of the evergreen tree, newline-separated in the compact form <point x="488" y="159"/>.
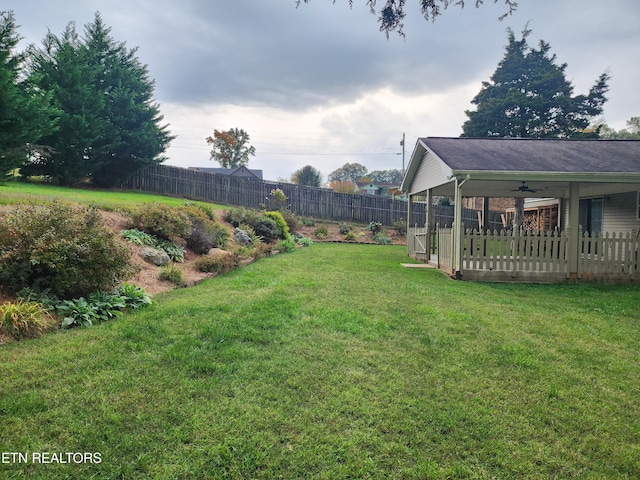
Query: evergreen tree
<point x="25" y="111"/>
<point x="308" y="176"/>
<point x="131" y="135"/>
<point x="528" y="96"/>
<point x="109" y="125"/>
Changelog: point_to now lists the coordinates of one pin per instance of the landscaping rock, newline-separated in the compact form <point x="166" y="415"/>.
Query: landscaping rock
<point x="156" y="257"/>
<point x="242" y="237"/>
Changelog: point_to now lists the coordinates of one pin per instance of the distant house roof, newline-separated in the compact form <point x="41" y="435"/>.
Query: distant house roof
<point x="237" y="172"/>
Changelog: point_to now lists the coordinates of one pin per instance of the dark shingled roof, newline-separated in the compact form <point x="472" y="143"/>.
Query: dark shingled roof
<point x="537" y="155"/>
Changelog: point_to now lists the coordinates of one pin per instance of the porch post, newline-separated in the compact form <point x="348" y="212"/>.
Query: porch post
<point x="409" y="217"/>
<point x="457" y="228"/>
<point x="573" y="241"/>
<point x="429" y="219"/>
<point x="485" y="214"/>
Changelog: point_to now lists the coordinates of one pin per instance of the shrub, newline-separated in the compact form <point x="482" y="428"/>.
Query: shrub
<point x="292" y="220"/>
<point x="161" y="220"/>
<point x="61" y="248"/>
<point x="25" y="319"/>
<point x="240" y="216"/>
<point x="344" y="228"/>
<point x="286" y="246"/>
<point x="217" y="263"/>
<point x="204" y="237"/>
<point x="382" y="239"/>
<point x="401" y="227"/>
<point x="208" y="211"/>
<point x="321" y="232"/>
<point x="267" y="228"/>
<point x="308" y="222"/>
<point x="281" y="223"/>
<point x="171" y="273"/>
<point x="351" y="237"/>
<point x="375" y="227"/>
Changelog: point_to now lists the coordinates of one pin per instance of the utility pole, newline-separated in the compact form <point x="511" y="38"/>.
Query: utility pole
<point x="402" y="143"/>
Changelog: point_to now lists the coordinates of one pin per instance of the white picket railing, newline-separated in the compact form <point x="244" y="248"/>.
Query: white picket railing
<point x="537" y="256"/>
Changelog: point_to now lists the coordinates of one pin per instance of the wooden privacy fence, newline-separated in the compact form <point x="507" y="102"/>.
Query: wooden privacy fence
<point x="319" y="203"/>
<point x="251" y="193"/>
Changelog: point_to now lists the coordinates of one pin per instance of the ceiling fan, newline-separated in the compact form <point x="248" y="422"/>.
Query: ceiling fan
<point x="524" y="188"/>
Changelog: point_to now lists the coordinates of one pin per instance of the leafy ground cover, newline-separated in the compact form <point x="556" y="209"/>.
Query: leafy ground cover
<point x="336" y="362"/>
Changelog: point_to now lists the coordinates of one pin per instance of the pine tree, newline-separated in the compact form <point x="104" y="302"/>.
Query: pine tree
<point x="25" y="111"/>
<point x="529" y="96"/>
<point x="109" y="125"/>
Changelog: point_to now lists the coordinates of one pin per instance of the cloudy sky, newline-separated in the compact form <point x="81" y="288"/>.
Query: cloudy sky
<point x="320" y="85"/>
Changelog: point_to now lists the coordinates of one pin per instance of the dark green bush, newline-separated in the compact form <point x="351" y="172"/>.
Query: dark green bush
<point x="61" y="248"/>
<point x="162" y="221"/>
<point x="281" y="223"/>
<point x="204" y="237"/>
<point x="266" y="228"/>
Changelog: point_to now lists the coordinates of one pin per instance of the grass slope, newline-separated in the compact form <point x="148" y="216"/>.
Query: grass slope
<point x="335" y="362"/>
<point x="18" y="192"/>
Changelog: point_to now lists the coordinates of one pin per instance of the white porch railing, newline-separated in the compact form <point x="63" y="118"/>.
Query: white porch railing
<point x="509" y="256"/>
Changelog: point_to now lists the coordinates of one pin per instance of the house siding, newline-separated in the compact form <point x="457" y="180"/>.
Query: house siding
<point x="620" y="212"/>
<point x="429" y="174"/>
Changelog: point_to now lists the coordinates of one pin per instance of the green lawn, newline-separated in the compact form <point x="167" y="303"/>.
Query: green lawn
<point x="336" y="362"/>
<point x="16" y="192"/>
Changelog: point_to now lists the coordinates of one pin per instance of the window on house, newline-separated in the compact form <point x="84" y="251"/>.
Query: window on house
<point x="591" y="215"/>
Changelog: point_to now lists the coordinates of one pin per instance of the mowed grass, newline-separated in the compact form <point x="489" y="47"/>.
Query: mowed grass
<point x="18" y="192"/>
<point x="336" y="362"/>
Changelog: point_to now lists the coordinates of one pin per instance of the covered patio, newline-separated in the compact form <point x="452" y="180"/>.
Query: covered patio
<point x="574" y="171"/>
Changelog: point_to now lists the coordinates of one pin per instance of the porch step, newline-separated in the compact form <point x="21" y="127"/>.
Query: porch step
<point x="418" y="265"/>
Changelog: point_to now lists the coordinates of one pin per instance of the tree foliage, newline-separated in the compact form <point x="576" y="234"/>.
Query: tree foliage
<point x="25" y="110"/>
<point x="632" y="132"/>
<point x="231" y="148"/>
<point x="386" y="176"/>
<point x="307" y="175"/>
<point x="391" y="15"/>
<point x="109" y="125"/>
<point x="346" y="186"/>
<point x="529" y="96"/>
<point x="348" y="172"/>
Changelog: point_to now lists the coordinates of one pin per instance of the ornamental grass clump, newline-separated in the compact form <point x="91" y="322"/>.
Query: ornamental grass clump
<point x="25" y="319"/>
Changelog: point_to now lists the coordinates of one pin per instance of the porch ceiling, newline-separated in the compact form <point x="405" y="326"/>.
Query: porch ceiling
<point x="538" y="188"/>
